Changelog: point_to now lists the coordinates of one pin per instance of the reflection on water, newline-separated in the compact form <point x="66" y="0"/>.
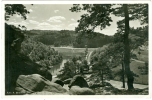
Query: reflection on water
<point x="55" y="70"/>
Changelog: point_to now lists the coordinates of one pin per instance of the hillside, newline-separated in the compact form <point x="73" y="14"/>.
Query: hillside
<point x="69" y="38"/>
<point x="138" y="65"/>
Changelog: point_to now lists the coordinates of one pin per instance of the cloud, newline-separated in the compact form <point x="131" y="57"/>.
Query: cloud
<point x="18" y="16"/>
<point x="56" y="19"/>
<point x="27" y="16"/>
<point x="44" y="24"/>
<point x="33" y="22"/>
<point x="56" y="11"/>
<point x="72" y="26"/>
<point x="72" y="19"/>
<point x="33" y="17"/>
<point x="30" y="10"/>
<point x="47" y="26"/>
<point x="22" y="23"/>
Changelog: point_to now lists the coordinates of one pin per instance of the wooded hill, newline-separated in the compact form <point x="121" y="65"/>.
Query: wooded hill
<point x="69" y="38"/>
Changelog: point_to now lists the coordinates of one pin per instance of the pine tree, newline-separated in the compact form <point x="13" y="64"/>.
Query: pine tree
<point x="99" y="15"/>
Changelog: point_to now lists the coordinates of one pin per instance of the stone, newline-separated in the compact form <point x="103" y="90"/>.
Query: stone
<point x="67" y="81"/>
<point x="34" y="82"/>
<point x="95" y="85"/>
<point x="59" y="82"/>
<point x="48" y="93"/>
<point x="78" y="80"/>
<point x="76" y="90"/>
<point x="53" y="87"/>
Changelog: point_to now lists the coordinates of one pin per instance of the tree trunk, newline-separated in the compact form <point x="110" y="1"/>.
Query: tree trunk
<point x="123" y="78"/>
<point x="130" y="78"/>
<point x="102" y="76"/>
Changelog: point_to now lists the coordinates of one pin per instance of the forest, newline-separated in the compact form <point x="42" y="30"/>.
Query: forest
<point x="69" y="38"/>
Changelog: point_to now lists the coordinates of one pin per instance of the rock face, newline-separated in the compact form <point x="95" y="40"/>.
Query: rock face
<point x="59" y="82"/>
<point x="67" y="81"/>
<point x="76" y="90"/>
<point x="35" y="83"/>
<point x="17" y="64"/>
<point x="78" y="81"/>
<point x="53" y="87"/>
<point x="32" y="82"/>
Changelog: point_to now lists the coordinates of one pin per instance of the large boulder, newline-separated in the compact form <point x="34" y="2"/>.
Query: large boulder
<point x="45" y="73"/>
<point x="35" y="83"/>
<point x="59" y="82"/>
<point x="95" y="85"/>
<point x="76" y="90"/>
<point x="67" y="81"/>
<point x="31" y="83"/>
<point x="78" y="80"/>
<point x="53" y="87"/>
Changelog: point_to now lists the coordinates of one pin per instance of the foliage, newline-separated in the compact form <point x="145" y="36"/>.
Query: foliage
<point x="144" y="69"/>
<point x="99" y="15"/>
<point x="73" y="67"/>
<point x="68" y="70"/>
<point x="69" y="38"/>
<point x="11" y="9"/>
<point x="40" y="53"/>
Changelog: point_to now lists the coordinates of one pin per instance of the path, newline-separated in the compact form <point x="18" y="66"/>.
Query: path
<point x="138" y="61"/>
<point x="118" y="84"/>
<point x="89" y="57"/>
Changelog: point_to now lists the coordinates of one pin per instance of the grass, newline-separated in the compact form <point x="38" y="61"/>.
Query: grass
<point x="143" y="56"/>
<point x="141" y="79"/>
<point x="68" y="53"/>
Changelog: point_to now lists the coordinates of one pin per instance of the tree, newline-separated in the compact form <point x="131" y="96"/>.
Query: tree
<point x="99" y="15"/>
<point x="102" y="66"/>
<point x="11" y="9"/>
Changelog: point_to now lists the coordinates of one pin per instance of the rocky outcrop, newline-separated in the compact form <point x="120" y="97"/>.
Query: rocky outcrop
<point x="67" y="81"/>
<point x="59" y="82"/>
<point x="32" y="82"/>
<point x="53" y="87"/>
<point x="15" y="63"/>
<point x="76" y="90"/>
<point x="78" y="80"/>
<point x="35" y="83"/>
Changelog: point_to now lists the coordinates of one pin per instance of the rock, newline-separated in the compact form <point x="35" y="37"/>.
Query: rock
<point x="67" y="81"/>
<point x="95" y="85"/>
<point x="59" y="82"/>
<point x="45" y="73"/>
<point x="53" y="87"/>
<point x="107" y="84"/>
<point x="76" y="90"/>
<point x="20" y="90"/>
<point x="34" y="82"/>
<point x="27" y="84"/>
<point x="48" y="93"/>
<point x="78" y="81"/>
<point x="17" y="64"/>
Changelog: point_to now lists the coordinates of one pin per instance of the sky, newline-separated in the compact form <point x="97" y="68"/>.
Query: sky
<point x="59" y="17"/>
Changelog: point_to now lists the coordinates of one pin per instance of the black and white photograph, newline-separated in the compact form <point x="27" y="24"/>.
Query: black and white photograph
<point x="76" y="49"/>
